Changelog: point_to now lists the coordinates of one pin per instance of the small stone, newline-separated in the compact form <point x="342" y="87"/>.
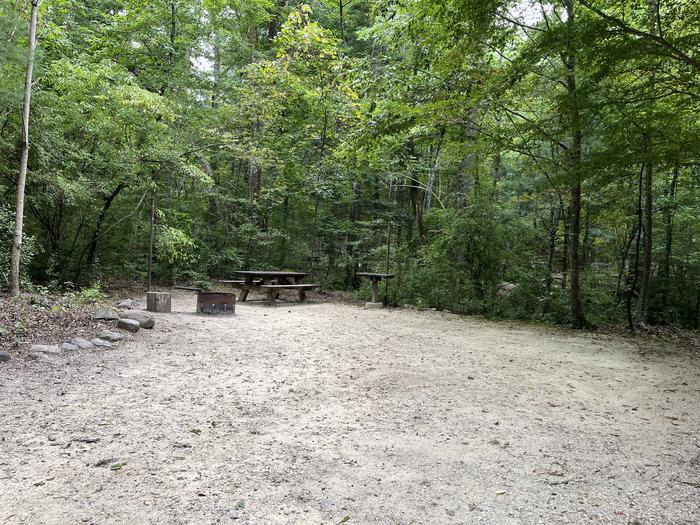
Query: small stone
<point x="101" y="343"/>
<point x="40" y="300"/>
<point x="4" y="356"/>
<point x="82" y="343"/>
<point x="125" y="304"/>
<point x="131" y="325"/>
<point x="145" y="319"/>
<point x="373" y="306"/>
<point x="45" y="349"/>
<point x="110" y="336"/>
<point x="104" y="314"/>
<point x="70" y="347"/>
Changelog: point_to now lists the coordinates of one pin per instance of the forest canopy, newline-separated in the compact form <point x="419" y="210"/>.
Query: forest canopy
<point x="526" y="159"/>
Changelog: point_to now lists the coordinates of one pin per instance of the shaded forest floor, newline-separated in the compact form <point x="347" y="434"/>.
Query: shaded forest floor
<point x="27" y="320"/>
<point x="325" y="412"/>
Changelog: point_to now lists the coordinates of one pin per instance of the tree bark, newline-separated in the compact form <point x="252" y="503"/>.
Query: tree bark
<point x="648" y="197"/>
<point x="151" y="240"/>
<point x="668" y="245"/>
<point x="466" y="166"/>
<point x="100" y="220"/>
<point x="433" y="171"/>
<point x="22" y="178"/>
<point x="351" y="266"/>
<point x="633" y="286"/>
<point x="578" y="319"/>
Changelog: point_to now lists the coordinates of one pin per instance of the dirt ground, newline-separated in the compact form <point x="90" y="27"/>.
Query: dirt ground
<point x="327" y="413"/>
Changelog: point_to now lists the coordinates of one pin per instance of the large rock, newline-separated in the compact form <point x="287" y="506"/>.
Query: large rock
<point x="110" y="336"/>
<point x="145" y="319"/>
<point x="103" y="314"/>
<point x="70" y="347"/>
<point x="4" y="356"/>
<point x="101" y="343"/>
<point x="40" y="300"/>
<point x="45" y="349"/>
<point x="125" y="304"/>
<point x="131" y="325"/>
<point x="82" y="343"/>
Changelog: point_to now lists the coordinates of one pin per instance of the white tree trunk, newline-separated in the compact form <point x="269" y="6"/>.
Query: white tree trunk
<point x="21" y="180"/>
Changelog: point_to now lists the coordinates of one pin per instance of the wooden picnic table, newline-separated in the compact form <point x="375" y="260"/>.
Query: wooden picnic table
<point x="270" y="282"/>
<point x="376" y="278"/>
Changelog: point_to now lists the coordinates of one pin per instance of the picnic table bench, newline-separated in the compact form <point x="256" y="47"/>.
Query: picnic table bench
<point x="376" y="278"/>
<point x="270" y="282"/>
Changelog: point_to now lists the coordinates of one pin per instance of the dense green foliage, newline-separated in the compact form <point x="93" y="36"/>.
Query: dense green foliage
<point x="281" y="134"/>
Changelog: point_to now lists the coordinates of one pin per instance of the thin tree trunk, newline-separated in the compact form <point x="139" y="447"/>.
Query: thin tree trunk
<point x="647" y="238"/>
<point x="100" y="220"/>
<point x="350" y="268"/>
<point x="648" y="197"/>
<point x="633" y="286"/>
<point x="578" y="318"/>
<point x="314" y="237"/>
<point x="433" y="172"/>
<point x="22" y="178"/>
<point x="668" y="248"/>
<point x="586" y="239"/>
<point x="554" y="218"/>
<point x="285" y="229"/>
<point x="150" y="242"/>
<point x="342" y="21"/>
<point x="91" y="248"/>
<point x="623" y="262"/>
<point x="466" y="166"/>
<point x="565" y="248"/>
<point x="216" y="89"/>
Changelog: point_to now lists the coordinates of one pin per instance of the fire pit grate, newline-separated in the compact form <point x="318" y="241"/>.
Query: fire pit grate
<point x="213" y="303"/>
<point x="216" y="303"/>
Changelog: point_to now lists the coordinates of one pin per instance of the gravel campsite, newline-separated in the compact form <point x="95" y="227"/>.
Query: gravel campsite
<point x="326" y="413"/>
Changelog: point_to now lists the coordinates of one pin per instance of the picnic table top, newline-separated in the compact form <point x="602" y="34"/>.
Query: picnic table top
<point x="375" y="275"/>
<point x="271" y="273"/>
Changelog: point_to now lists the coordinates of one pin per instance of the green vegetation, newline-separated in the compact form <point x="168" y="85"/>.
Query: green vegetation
<point x="551" y="145"/>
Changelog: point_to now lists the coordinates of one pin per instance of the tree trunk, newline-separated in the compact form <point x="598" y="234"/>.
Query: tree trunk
<point x="216" y="88"/>
<point x="314" y="237"/>
<point x="633" y="286"/>
<point x="668" y="245"/>
<point x="351" y="266"/>
<point x="466" y="166"/>
<point x="100" y="220"/>
<point x="152" y="237"/>
<point x="554" y="218"/>
<point x="254" y="185"/>
<point x="648" y="197"/>
<point x="433" y="172"/>
<point x="22" y="178"/>
<point x="623" y="262"/>
<point x="578" y="319"/>
<point x="565" y="247"/>
<point x="285" y="229"/>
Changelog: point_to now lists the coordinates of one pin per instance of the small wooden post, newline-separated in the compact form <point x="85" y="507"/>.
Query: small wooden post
<point x="150" y="242"/>
<point x="158" y="302"/>
<point x="375" y="290"/>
